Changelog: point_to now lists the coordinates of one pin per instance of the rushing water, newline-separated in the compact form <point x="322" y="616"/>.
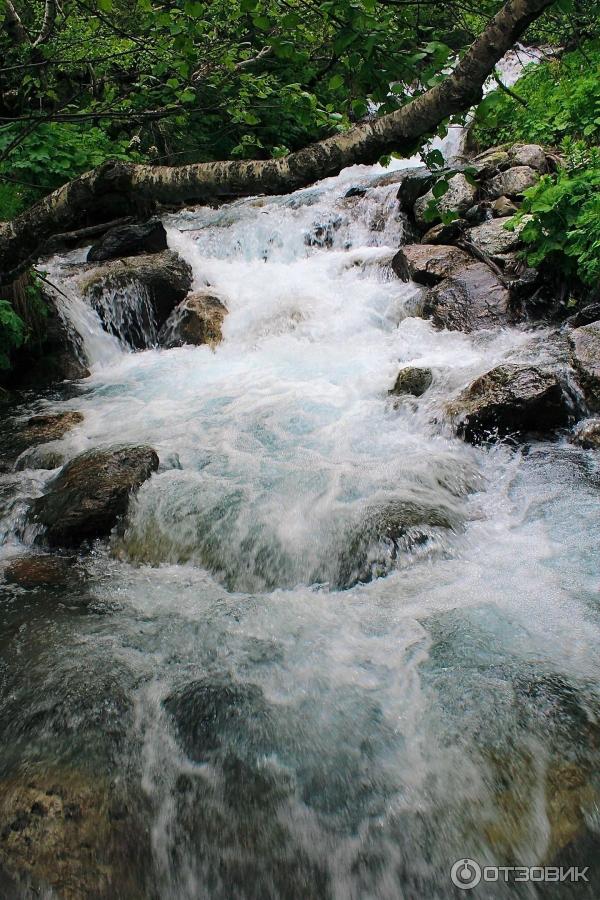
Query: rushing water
<point x="334" y="649"/>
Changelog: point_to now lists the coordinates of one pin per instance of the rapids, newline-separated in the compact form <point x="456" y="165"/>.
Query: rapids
<point x="297" y="704"/>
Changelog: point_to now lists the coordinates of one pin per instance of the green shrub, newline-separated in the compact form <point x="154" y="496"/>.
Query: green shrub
<point x="563" y="232"/>
<point x="561" y="97"/>
<point x="12" y="332"/>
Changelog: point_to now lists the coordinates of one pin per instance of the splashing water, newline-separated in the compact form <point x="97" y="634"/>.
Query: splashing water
<point x="334" y="649"/>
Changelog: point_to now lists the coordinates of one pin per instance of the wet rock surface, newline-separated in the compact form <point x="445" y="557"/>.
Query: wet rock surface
<point x="91" y="492"/>
<point x="587" y="434"/>
<point x="197" y="320"/>
<point x="493" y="237"/>
<point x="129" y="240"/>
<point x="73" y="835"/>
<point x="512" y="183"/>
<point x="458" y="198"/>
<point x="472" y="299"/>
<point x="413" y="381"/>
<point x="511" y="399"/>
<point x="585" y="348"/>
<point x="135" y="296"/>
<point x="40" y="571"/>
<point x="428" y="264"/>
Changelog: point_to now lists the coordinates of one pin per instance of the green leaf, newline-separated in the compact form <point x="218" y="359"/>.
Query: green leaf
<point x="440" y="188"/>
<point x="335" y="82"/>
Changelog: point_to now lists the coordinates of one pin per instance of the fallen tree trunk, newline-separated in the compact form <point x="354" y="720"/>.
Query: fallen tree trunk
<point x="117" y="188"/>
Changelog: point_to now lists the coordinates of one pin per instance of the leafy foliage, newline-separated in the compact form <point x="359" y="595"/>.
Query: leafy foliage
<point x="564" y="229"/>
<point x="12" y="332"/>
<point x="562" y="102"/>
<point x="562" y="108"/>
<point x="175" y="81"/>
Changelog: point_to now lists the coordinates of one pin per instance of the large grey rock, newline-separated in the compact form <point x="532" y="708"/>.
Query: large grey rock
<point x="428" y="263"/>
<point x="197" y="320"/>
<point x="459" y="197"/>
<point x="490" y="162"/>
<point x="585" y="349"/>
<point x="91" y="492"/>
<point x="135" y="296"/>
<point x="470" y="300"/>
<point x="511" y="399"/>
<point x="412" y="380"/>
<point x="492" y="237"/>
<point x="531" y="155"/>
<point x="129" y="240"/>
<point x="587" y="434"/>
<point x="512" y="183"/>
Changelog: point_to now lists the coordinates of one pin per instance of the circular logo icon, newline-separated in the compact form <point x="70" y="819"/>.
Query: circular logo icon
<point x="465" y="874"/>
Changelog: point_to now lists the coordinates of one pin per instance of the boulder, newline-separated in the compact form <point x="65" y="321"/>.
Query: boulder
<point x="585" y="316"/>
<point x="444" y="234"/>
<point x="412" y="380"/>
<point x="135" y="296"/>
<point x="531" y="155"/>
<point x="493" y="237"/>
<point x="480" y="212"/>
<point x="197" y="320"/>
<point x="219" y="714"/>
<point x="585" y="350"/>
<point x="512" y="183"/>
<point x="129" y="240"/>
<point x="503" y="207"/>
<point x="91" y="492"/>
<point x="428" y="263"/>
<point x="490" y="162"/>
<point x="413" y="186"/>
<point x="39" y="571"/>
<point x="511" y="399"/>
<point x="587" y="434"/>
<point x="469" y="300"/>
<point x="459" y="197"/>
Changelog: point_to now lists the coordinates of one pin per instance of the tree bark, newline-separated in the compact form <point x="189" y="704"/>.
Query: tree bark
<point x="117" y="188"/>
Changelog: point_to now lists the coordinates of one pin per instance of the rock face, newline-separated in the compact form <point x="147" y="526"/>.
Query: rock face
<point x="91" y="492"/>
<point x="513" y="182"/>
<point x="68" y="837"/>
<point x="459" y="197"/>
<point x="587" y="434"/>
<point x="129" y="240"/>
<point x="45" y="428"/>
<point x="491" y="161"/>
<point x="492" y="237"/>
<point x="413" y="186"/>
<point x="531" y="155"/>
<point x="470" y="300"/>
<point x="511" y="399"/>
<point x="197" y="320"/>
<point x="428" y="263"/>
<point x="585" y="349"/>
<point x="412" y="380"/>
<point x="135" y="296"/>
<point x="503" y="207"/>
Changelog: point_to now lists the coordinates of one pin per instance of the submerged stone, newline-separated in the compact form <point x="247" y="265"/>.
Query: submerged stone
<point x="587" y="434"/>
<point x="91" y="492"/>
<point x="197" y="320"/>
<point x="511" y="399"/>
<point x="412" y="380"/>
<point x="39" y="571"/>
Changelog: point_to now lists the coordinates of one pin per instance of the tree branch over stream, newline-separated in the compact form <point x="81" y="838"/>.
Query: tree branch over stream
<point x="118" y="188"/>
